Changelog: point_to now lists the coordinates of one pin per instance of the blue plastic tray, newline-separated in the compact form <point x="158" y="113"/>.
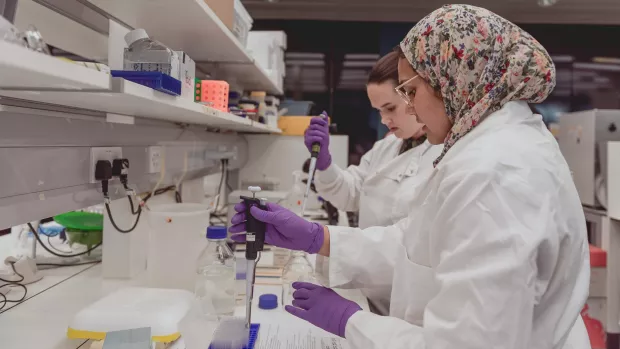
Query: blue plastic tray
<point x="253" y="336"/>
<point x="153" y="79"/>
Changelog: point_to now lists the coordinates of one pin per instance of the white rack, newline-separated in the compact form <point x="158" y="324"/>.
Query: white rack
<point x="36" y="77"/>
<point x="191" y="26"/>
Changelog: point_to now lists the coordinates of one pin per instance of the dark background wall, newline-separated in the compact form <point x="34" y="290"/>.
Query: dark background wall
<point x="352" y="111"/>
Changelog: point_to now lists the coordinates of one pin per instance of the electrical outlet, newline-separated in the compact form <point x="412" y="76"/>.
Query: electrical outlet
<point x="103" y="153"/>
<point x="154" y="159"/>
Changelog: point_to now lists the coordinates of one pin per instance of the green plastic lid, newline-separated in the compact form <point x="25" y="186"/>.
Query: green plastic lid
<point x="84" y="221"/>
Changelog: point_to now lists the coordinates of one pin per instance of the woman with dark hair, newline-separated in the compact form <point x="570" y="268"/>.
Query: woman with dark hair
<point x="494" y="251"/>
<point x="388" y="177"/>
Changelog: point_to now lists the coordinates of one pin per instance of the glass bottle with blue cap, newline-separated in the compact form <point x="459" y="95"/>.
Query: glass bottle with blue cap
<point x="215" y="279"/>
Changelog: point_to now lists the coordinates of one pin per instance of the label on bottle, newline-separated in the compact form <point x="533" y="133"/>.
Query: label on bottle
<point x="250" y="237"/>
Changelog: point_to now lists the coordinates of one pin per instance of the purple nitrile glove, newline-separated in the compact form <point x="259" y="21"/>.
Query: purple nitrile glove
<point x="284" y="228"/>
<point x="318" y="132"/>
<point x="322" y="307"/>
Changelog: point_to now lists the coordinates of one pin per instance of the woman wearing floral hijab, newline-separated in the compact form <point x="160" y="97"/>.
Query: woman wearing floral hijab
<point x="494" y="251"/>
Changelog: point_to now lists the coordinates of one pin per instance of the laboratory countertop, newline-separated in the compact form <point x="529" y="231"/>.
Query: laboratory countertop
<point x="41" y="321"/>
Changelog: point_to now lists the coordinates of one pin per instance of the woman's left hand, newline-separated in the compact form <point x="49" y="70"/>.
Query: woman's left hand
<point x="322" y="307"/>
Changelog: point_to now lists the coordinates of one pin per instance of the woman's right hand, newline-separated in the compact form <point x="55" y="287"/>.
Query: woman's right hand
<point x="318" y="132"/>
<point x="284" y="228"/>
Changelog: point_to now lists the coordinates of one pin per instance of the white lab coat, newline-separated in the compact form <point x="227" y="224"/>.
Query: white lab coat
<point x="381" y="188"/>
<point x="384" y="184"/>
<point x="492" y="255"/>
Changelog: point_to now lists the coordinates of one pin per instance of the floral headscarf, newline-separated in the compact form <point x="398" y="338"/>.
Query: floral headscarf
<point x="479" y="61"/>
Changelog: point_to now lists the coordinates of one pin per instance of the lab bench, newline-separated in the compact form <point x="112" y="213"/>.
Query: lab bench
<point x="41" y="320"/>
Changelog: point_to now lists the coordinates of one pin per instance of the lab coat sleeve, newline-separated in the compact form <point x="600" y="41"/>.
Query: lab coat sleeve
<point x="483" y="252"/>
<point x="342" y="187"/>
<point x="361" y="258"/>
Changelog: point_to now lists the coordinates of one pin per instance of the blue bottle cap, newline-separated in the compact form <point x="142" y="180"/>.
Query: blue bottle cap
<point x="268" y="301"/>
<point x="216" y="233"/>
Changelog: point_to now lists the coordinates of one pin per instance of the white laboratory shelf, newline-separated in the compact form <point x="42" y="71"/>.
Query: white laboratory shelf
<point x="258" y="126"/>
<point x="21" y="68"/>
<point x="250" y="76"/>
<point x="191" y="26"/>
<point x="131" y="99"/>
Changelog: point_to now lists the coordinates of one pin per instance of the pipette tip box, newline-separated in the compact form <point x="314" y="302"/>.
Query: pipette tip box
<point x="253" y="337"/>
<point x="155" y="80"/>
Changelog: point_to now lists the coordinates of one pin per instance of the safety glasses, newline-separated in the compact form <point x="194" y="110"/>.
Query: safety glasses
<point x="400" y="90"/>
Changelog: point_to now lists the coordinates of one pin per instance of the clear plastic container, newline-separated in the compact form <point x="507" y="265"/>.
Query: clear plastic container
<point x="176" y="239"/>
<point x="145" y="54"/>
<point x="298" y="268"/>
<point x="296" y="196"/>
<point x="215" y="276"/>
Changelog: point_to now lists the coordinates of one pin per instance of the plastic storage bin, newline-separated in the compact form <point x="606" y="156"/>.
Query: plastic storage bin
<point x="294" y="125"/>
<point x="242" y="23"/>
<point x="213" y="93"/>
<point x="176" y="239"/>
<point x="155" y="80"/>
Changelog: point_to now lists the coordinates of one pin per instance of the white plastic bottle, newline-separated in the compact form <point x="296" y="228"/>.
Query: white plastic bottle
<point x="215" y="279"/>
<point x="296" y="197"/>
<point x="298" y="268"/>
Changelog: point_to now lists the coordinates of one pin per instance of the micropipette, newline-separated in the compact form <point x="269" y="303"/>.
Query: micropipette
<point x="314" y="153"/>
<point x="255" y="241"/>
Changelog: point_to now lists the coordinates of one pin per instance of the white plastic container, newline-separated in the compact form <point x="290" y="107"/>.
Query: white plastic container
<point x="267" y="48"/>
<point x="176" y="240"/>
<point x="146" y="54"/>
<point x="242" y="23"/>
<point x="130" y="308"/>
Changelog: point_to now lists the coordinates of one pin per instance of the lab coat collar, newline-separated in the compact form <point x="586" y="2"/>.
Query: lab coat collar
<point x="406" y="164"/>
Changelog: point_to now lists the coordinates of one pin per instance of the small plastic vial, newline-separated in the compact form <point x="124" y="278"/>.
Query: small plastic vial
<point x="298" y="268"/>
<point x="215" y="279"/>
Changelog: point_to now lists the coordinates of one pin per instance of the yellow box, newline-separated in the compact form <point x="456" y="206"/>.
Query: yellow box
<point x="295" y="125"/>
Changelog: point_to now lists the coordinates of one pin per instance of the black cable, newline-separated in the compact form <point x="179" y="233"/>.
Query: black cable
<point x="36" y="235"/>
<point x="227" y="178"/>
<point x="219" y="186"/>
<point x="123" y="179"/>
<point x="104" y="189"/>
<point x="177" y="197"/>
<point x="5" y="300"/>
<point x="138" y="212"/>
<point x="13" y="281"/>
<point x="158" y="192"/>
<point x="133" y="210"/>
<point x="124" y="231"/>
<point x="49" y="242"/>
<point x="65" y="265"/>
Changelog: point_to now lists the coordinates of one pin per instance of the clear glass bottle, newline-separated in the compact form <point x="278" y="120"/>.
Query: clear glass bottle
<point x="215" y="275"/>
<point x="146" y="54"/>
<point x="298" y="268"/>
